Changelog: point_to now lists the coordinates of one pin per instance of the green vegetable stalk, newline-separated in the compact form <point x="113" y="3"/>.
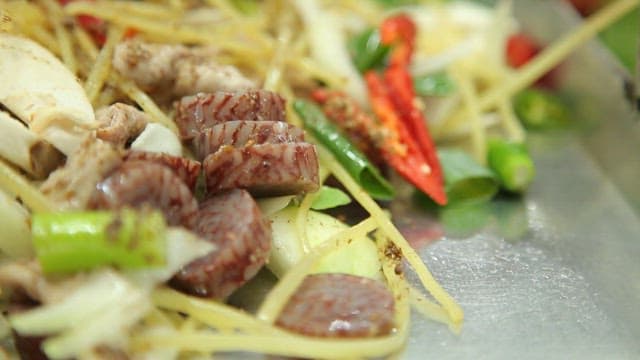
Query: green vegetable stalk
<point x="512" y="163"/>
<point x="358" y="166"/>
<point x="539" y="109"/>
<point x="75" y="241"/>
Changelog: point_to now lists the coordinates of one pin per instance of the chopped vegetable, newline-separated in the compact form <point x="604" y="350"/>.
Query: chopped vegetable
<point x="329" y="197"/>
<point x="512" y="163"/>
<point x="520" y="49"/>
<point x="540" y="109"/>
<point x="14" y="222"/>
<point x="367" y="50"/>
<point x="367" y="175"/>
<point x="465" y="179"/>
<point x="73" y="241"/>
<point x="394" y="102"/>
<point x="438" y="84"/>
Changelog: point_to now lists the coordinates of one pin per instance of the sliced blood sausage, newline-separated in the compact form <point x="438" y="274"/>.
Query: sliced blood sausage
<point x="188" y="170"/>
<point x="198" y="112"/>
<point x="265" y="169"/>
<point x="235" y="224"/>
<point x="339" y="305"/>
<point x="240" y="133"/>
<point x="144" y="183"/>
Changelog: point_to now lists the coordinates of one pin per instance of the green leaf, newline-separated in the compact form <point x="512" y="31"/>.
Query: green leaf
<point x="466" y="180"/>
<point x="329" y="197"/>
<point x="623" y="38"/>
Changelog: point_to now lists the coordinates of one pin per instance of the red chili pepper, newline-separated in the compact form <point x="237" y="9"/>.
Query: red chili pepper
<point x="95" y="26"/>
<point x="520" y="49"/>
<point x="394" y="102"/>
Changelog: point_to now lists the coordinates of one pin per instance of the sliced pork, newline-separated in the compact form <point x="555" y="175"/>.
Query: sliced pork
<point x="235" y="224"/>
<point x="144" y="183"/>
<point x="120" y="123"/>
<point x="186" y="169"/>
<point x="265" y="169"/>
<point x="72" y="185"/>
<point x="168" y="72"/>
<point x="201" y="111"/>
<point x="240" y="133"/>
<point x="339" y="305"/>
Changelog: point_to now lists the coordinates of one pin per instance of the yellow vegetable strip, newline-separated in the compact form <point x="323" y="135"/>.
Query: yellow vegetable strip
<point x="102" y="66"/>
<point x="552" y="55"/>
<point x="280" y="294"/>
<point x="62" y="35"/>
<point x="453" y="310"/>
<point x="14" y="183"/>
<point x="510" y="122"/>
<point x="301" y="221"/>
<point x="469" y="96"/>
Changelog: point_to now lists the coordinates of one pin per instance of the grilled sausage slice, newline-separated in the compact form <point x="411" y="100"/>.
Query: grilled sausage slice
<point x="186" y="169"/>
<point x="142" y="183"/>
<point x="239" y="133"/>
<point x="198" y="112"/>
<point x="235" y="224"/>
<point x="339" y="305"/>
<point x="265" y="169"/>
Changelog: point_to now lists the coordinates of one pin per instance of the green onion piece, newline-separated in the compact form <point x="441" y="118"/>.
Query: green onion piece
<point x="73" y="241"/>
<point x="512" y="163"/>
<point x="540" y="109"/>
<point x="367" y="51"/>
<point x="246" y="7"/>
<point x="438" y="84"/>
<point x="466" y="180"/>
<point x="329" y="197"/>
<point x="358" y="166"/>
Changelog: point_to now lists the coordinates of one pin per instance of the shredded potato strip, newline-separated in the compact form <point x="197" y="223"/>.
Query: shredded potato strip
<point x="102" y="66"/>
<point x="30" y="20"/>
<point x="280" y="294"/>
<point x="62" y="35"/>
<point x="469" y="96"/>
<point x="510" y="122"/>
<point x="301" y="221"/>
<point x="451" y="307"/>
<point x="14" y="183"/>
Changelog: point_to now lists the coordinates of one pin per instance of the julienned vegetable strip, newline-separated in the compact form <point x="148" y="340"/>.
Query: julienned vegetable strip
<point x="73" y="241"/>
<point x="351" y="158"/>
<point x="393" y="99"/>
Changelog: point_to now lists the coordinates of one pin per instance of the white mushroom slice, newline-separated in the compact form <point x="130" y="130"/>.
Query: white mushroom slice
<point x="25" y="149"/>
<point x="158" y="138"/>
<point x="43" y="93"/>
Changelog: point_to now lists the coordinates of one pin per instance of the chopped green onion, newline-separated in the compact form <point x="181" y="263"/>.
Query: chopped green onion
<point x="512" y="163"/>
<point x="540" y="109"/>
<point x="358" y="166"/>
<point x="438" y="84"/>
<point x="329" y="197"/>
<point x="466" y="180"/>
<point x="73" y="241"/>
<point x="367" y="51"/>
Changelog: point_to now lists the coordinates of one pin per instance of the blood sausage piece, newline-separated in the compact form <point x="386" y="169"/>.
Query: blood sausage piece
<point x="186" y="169"/>
<point x="339" y="305"/>
<point x="239" y="133"/>
<point x="235" y="224"/>
<point x="198" y="112"/>
<point x="143" y="183"/>
<point x="265" y="169"/>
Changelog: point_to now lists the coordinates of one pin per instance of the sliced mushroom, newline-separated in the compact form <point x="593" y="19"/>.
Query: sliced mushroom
<point x="27" y="150"/>
<point x="43" y="93"/>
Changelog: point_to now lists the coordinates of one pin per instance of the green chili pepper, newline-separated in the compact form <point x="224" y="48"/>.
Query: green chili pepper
<point x="74" y="241"/>
<point x="512" y="163"/>
<point x="438" y="84"/>
<point x="358" y="166"/>
<point x="464" y="179"/>
<point x="539" y="109"/>
<point x="367" y="51"/>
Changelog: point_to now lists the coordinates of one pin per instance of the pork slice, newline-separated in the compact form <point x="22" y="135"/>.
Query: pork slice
<point x="168" y="72"/>
<point x="72" y="185"/>
<point x="186" y="169"/>
<point x="264" y="169"/>
<point x="143" y="183"/>
<point x="339" y="305"/>
<point x="119" y="123"/>
<point x="198" y="112"/>
<point x="239" y="133"/>
<point x="234" y="223"/>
